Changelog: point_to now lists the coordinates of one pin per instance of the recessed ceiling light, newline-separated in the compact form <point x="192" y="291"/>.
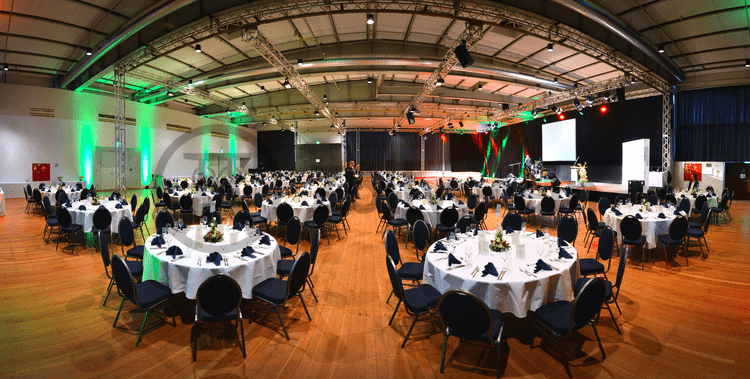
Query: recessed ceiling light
<point x="299" y="62"/>
<point x="661" y="49"/>
<point x="440" y="82"/>
<point x="370" y="19"/>
<point x="198" y="48"/>
<point x="88" y="51"/>
<point x="369" y="80"/>
<point x="286" y="83"/>
<point x="550" y="47"/>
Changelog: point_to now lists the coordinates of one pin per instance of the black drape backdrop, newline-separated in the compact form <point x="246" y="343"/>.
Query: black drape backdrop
<point x="712" y="124"/>
<point x="491" y="154"/>
<point x="400" y="152"/>
<point x="276" y="150"/>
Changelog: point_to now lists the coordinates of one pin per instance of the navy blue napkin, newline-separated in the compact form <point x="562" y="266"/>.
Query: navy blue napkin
<point x="564" y="254"/>
<point x="439" y="207"/>
<point x="530" y="196"/>
<point x="439" y="246"/>
<point x="174" y="251"/>
<point x="214" y="258"/>
<point x="617" y="213"/>
<point x="489" y="269"/>
<point x="304" y="204"/>
<point x="677" y="212"/>
<point x="682" y="196"/>
<point x="661" y="215"/>
<point x="182" y="225"/>
<point x="509" y="229"/>
<point x="452" y="236"/>
<point x="204" y="194"/>
<point x="269" y="201"/>
<point x="539" y="233"/>
<point x="158" y="240"/>
<point x="422" y="207"/>
<point x="82" y="208"/>
<point x="239" y="225"/>
<point x="460" y="202"/>
<point x="265" y="240"/>
<point x="452" y="260"/>
<point x="319" y="202"/>
<point x="561" y="196"/>
<point x="258" y="232"/>
<point x="118" y="206"/>
<point x="248" y="252"/>
<point x="540" y="265"/>
<point x="68" y="204"/>
<point x="638" y="216"/>
<point x="561" y="242"/>
<point x="694" y="196"/>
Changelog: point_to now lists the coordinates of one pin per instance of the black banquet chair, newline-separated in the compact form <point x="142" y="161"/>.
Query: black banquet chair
<point x="676" y="237"/>
<point x="135" y="267"/>
<point x="468" y="318"/>
<point x="276" y="292"/>
<point x="218" y="299"/>
<point x="67" y="227"/>
<point x="558" y="320"/>
<point x="149" y="295"/>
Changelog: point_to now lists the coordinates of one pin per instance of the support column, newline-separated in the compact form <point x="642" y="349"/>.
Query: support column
<point x="422" y="140"/>
<point x="120" y="141"/>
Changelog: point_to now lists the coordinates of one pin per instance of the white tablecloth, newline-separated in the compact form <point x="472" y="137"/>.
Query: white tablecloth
<point x="403" y="193"/>
<point x="517" y="292"/>
<point x="430" y="213"/>
<point x="536" y="201"/>
<point x="186" y="274"/>
<point x="86" y="218"/>
<point x="199" y="201"/>
<point x="497" y="191"/>
<point x="2" y="202"/>
<point x="651" y="224"/>
<point x="51" y="191"/>
<point x="304" y="212"/>
<point x="712" y="201"/>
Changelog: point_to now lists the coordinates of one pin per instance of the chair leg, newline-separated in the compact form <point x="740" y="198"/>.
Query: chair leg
<point x="599" y="341"/>
<point x="118" y="312"/>
<point x="666" y="259"/>
<point x="564" y="360"/>
<point x="140" y="333"/>
<point x="312" y="291"/>
<point x="194" y="341"/>
<point x="409" y="332"/>
<point x="394" y="310"/>
<point x="613" y="318"/>
<point x="445" y="347"/>
<point x="242" y="334"/>
<point x="109" y="290"/>
<point x="275" y="309"/>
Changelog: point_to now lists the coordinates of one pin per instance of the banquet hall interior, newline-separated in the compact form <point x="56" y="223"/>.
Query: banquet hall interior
<point x="333" y="188"/>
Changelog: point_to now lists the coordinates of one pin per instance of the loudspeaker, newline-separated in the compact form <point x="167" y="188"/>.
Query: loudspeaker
<point x="620" y="92"/>
<point x="410" y="117"/>
<point x="506" y="107"/>
<point x="463" y="56"/>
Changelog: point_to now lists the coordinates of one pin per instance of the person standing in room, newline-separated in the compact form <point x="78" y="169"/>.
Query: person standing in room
<point x="529" y="178"/>
<point x="350" y="175"/>
<point x="693" y="185"/>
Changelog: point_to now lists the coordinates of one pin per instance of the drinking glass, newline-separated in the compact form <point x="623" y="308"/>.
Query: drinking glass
<point x="204" y="220"/>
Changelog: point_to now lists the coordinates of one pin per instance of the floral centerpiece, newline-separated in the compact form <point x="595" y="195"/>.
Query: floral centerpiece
<point x="213" y="235"/>
<point x="693" y="191"/>
<point x="499" y="244"/>
<point x="433" y="200"/>
<point x="645" y="206"/>
<point x="95" y="200"/>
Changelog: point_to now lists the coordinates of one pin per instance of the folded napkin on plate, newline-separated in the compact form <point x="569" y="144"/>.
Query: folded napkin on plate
<point x="248" y="252"/>
<point x="269" y="201"/>
<point x="265" y="240"/>
<point x="540" y="265"/>
<point x="682" y="196"/>
<point x="661" y="215"/>
<point x="561" y="242"/>
<point x="561" y="196"/>
<point x="68" y="204"/>
<point x="452" y="260"/>
<point x="118" y="206"/>
<point x="304" y="204"/>
<point x="694" y="196"/>
<point x="319" y="202"/>
<point x="239" y="225"/>
<point x="452" y="236"/>
<point x="438" y="207"/>
<point x="508" y="229"/>
<point x="174" y="251"/>
<point x="460" y="202"/>
<point x="489" y="269"/>
<point x="182" y="225"/>
<point x="539" y="233"/>
<point x="439" y="246"/>
<point x="82" y="208"/>
<point x="563" y="254"/>
<point x="422" y="207"/>
<point x="214" y="258"/>
<point x="158" y="241"/>
<point x="638" y="216"/>
<point x="617" y="212"/>
<point x="204" y="194"/>
<point x="530" y="196"/>
<point x="677" y="212"/>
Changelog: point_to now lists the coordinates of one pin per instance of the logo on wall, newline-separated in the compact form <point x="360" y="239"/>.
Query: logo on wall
<point x="692" y="168"/>
<point x="40" y="172"/>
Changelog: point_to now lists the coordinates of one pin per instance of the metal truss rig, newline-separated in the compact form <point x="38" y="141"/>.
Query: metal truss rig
<point x="267" y="50"/>
<point x="120" y="141"/>
<point x="470" y="36"/>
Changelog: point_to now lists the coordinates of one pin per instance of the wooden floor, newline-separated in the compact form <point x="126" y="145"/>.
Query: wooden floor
<point x="683" y="322"/>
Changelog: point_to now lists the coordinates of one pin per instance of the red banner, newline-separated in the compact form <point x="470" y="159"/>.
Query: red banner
<point x="692" y="168"/>
<point x="40" y="172"/>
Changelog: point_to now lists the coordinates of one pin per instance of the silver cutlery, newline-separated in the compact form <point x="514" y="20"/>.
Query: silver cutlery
<point x="502" y="273"/>
<point x="455" y="267"/>
<point x="178" y="258"/>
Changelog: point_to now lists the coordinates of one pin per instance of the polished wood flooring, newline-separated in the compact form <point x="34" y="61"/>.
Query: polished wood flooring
<point x="689" y="321"/>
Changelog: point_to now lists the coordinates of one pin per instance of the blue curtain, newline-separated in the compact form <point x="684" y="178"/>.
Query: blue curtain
<point x="712" y="124"/>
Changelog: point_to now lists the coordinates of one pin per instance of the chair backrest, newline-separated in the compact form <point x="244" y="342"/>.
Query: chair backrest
<point x="339" y="193"/>
<point x="699" y="201"/>
<point x="123" y="279"/>
<point x="264" y="190"/>
<point x="218" y="296"/>
<point x="465" y="316"/>
<point x="84" y="193"/>
<point x="487" y="191"/>
<point x="464" y="222"/>
<point x="63" y="217"/>
<point x="167" y="199"/>
<point x="241" y="217"/>
<point x="604" y="204"/>
<point x="186" y="202"/>
<point x="258" y="200"/>
<point x="102" y="218"/>
<point x="298" y="275"/>
<point x="593" y="221"/>
<point x="685" y="205"/>
<point x="454" y="184"/>
<point x="514" y="220"/>
<point x="333" y="198"/>
<point x="606" y="241"/>
<point x="104" y="249"/>
<point x="320" y="215"/>
<point x="321" y="192"/>
<point x="61" y="196"/>
<point x="294" y="230"/>
<point x="314" y="247"/>
<point x="162" y="219"/>
<point x="631" y="228"/>
<point x="548" y="204"/>
<point x="47" y="206"/>
<point x="391" y="246"/>
<point x="28" y="190"/>
<point x="284" y="212"/>
<point x="587" y="304"/>
<point x="573" y="202"/>
<point x="345" y="207"/>
<point x="134" y="202"/>
<point x="159" y="192"/>
<point x="481" y="212"/>
<point x="671" y="199"/>
<point x="620" y="271"/>
<point x="398" y="287"/>
<point x="620" y="199"/>
<point x="393" y="201"/>
<point x="439" y="191"/>
<point x="413" y="214"/>
<point x="448" y="217"/>
<point x="520" y="203"/>
<point x="421" y="235"/>
<point x="678" y="228"/>
<point x="568" y="229"/>
<point x="653" y="200"/>
<point x="127" y="234"/>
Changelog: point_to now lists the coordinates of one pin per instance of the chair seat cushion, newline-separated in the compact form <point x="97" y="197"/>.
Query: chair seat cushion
<point x="284" y="267"/>
<point x="717" y="210"/>
<point x="207" y="317"/>
<point x="527" y="211"/>
<point x="285" y="252"/>
<point x="259" y="220"/>
<point x="639" y="241"/>
<point x="590" y="266"/>
<point x="694" y="224"/>
<point x="421" y="298"/>
<point x="225" y="204"/>
<point x="443" y="228"/>
<point x="399" y="222"/>
<point x="159" y="204"/>
<point x="497" y="323"/>
<point x="151" y="293"/>
<point x="135" y="267"/>
<point x="411" y="271"/>
<point x="73" y="228"/>
<point x="555" y="316"/>
<point x="272" y="290"/>
<point x="665" y="240"/>
<point x="547" y="213"/>
<point x="52" y="222"/>
<point x="135" y="252"/>
<point x="695" y="232"/>
<point x="312" y="225"/>
<point x="334" y="219"/>
<point x="602" y="224"/>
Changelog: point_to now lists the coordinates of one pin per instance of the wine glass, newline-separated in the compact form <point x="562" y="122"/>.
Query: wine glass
<point x="523" y="226"/>
<point x="470" y="229"/>
<point x="204" y="220"/>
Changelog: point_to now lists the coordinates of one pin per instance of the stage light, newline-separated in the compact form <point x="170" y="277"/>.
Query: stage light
<point x="603" y="109"/>
<point x="332" y="126"/>
<point x="463" y="56"/>
<point x="5" y="67"/>
<point x="661" y="49"/>
<point x="558" y="110"/>
<point x="440" y="82"/>
<point x="370" y="19"/>
<point x="88" y="51"/>
<point x="550" y="47"/>
<point x="262" y="88"/>
<point x="607" y="96"/>
<point x="589" y="100"/>
<point x="479" y="87"/>
<point x="461" y="124"/>
<point x="561" y="116"/>
<point x="198" y="48"/>
<point x="286" y="83"/>
<point x="534" y="113"/>
<point x="325" y="97"/>
<point x="398" y="126"/>
<point x="632" y="79"/>
<point x="505" y="107"/>
<point x="578" y="104"/>
<point x="190" y="82"/>
<point x="410" y="116"/>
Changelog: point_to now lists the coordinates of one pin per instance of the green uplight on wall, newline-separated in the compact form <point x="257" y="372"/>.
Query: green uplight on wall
<point x="145" y="118"/>
<point x="233" y="148"/>
<point x="87" y="118"/>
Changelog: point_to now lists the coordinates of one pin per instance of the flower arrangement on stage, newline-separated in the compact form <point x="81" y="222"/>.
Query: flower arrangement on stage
<point x="499" y="244"/>
<point x="582" y="172"/>
<point x="213" y="235"/>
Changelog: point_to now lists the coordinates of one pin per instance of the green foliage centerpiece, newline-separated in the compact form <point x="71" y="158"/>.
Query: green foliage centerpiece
<point x="95" y="200"/>
<point x="213" y="235"/>
<point x="645" y="206"/>
<point x="499" y="244"/>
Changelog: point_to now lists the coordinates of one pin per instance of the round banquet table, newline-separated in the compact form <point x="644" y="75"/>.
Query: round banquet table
<point x="430" y="212"/>
<point x="712" y="201"/>
<point x="303" y="212"/>
<point x="497" y="191"/>
<point x="199" y="200"/>
<point x="2" y="202"/>
<point x="189" y="270"/>
<point x="403" y="192"/>
<point x="519" y="290"/>
<point x="561" y="200"/>
<point x="651" y="224"/>
<point x="86" y="217"/>
<point x="73" y="193"/>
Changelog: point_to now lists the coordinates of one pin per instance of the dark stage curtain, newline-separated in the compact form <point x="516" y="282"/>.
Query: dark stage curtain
<point x="712" y="124"/>
<point x="491" y="154"/>
<point x="276" y="150"/>
<point x="380" y="151"/>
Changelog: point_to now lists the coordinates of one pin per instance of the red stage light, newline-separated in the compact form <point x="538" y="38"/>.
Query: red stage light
<point x="603" y="109"/>
<point x="561" y="116"/>
<point x="443" y="138"/>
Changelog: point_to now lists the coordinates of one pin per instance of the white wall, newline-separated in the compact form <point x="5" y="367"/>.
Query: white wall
<point x="69" y="138"/>
<point x="712" y="175"/>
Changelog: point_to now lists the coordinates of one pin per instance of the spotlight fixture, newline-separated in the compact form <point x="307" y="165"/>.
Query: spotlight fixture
<point x="589" y="100"/>
<point x="286" y="83"/>
<point x="190" y="82"/>
<point x="197" y="48"/>
<point x="461" y="124"/>
<point x="632" y="78"/>
<point x="558" y="110"/>
<point x="299" y="61"/>
<point x="534" y="113"/>
<point x="505" y="107"/>
<point x="170" y="93"/>
<point x="554" y="80"/>
<point x="336" y="114"/>
<point x="88" y="51"/>
<point x="440" y="82"/>
<point x="369" y="80"/>
<point x="262" y="88"/>
<point x="747" y="62"/>
<point x="661" y="49"/>
<point x="578" y="104"/>
<point x="463" y="56"/>
<point x="317" y="112"/>
<point x="325" y="97"/>
<point x="479" y="87"/>
<point x="410" y="116"/>
<point x="370" y="19"/>
<point x="5" y="67"/>
<point x="450" y="125"/>
<point x="332" y="126"/>
<point x="607" y="96"/>
<point x="398" y="126"/>
<point x="550" y="47"/>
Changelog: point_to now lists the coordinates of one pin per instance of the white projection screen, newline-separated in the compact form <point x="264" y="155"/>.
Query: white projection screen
<point x="559" y="141"/>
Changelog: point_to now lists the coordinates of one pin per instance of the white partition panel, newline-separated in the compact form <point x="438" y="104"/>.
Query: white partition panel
<point x="635" y="159"/>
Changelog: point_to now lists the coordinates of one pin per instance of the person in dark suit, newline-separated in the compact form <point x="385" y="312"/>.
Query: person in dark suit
<point x="693" y="185"/>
